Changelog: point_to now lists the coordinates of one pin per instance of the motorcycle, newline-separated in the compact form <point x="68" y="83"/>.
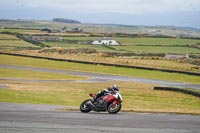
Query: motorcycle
<point x="109" y="102"/>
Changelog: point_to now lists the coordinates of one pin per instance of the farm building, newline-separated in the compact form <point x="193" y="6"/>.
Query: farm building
<point x="77" y="30"/>
<point x="105" y="41"/>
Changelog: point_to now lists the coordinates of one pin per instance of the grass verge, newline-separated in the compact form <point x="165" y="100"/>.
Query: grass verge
<point x="14" y="73"/>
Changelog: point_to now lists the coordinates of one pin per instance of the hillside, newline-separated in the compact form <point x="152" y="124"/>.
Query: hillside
<point x="66" y="20"/>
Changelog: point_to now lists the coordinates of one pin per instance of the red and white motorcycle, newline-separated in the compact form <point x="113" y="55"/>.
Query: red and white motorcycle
<point x="109" y="102"/>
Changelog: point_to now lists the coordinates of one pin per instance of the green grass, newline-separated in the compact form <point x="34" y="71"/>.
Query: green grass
<point x="135" y="49"/>
<point x="5" y="59"/>
<point x="99" y="48"/>
<point x="21" y="31"/>
<point x="136" y="96"/>
<point x="80" y="38"/>
<point x="156" y="41"/>
<point x="10" y="42"/>
<point x="144" y="41"/>
<point x="5" y="36"/>
<point x="16" y="45"/>
<point x="173" y="45"/>
<point x="15" y="73"/>
<point x="157" y="49"/>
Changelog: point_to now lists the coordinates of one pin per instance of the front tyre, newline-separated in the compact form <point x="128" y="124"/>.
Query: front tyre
<point x="84" y="107"/>
<point x="113" y="109"/>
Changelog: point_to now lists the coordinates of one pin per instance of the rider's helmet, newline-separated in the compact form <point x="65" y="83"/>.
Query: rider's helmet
<point x="115" y="87"/>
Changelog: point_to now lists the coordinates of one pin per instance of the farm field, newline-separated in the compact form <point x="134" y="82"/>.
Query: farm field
<point x="8" y="37"/>
<point x="24" y="31"/>
<point x="15" y="44"/>
<point x="157" y="49"/>
<point x="22" y="74"/>
<point x="10" y="42"/>
<point x="12" y="60"/>
<point x="98" y="48"/>
<point x="156" y="41"/>
<point x="143" y="40"/>
<point x="128" y="44"/>
<point x="98" y="53"/>
<point x="154" y="62"/>
<point x="143" y="45"/>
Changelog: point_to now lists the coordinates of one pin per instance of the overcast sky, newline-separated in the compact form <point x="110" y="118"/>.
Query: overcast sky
<point x="133" y="12"/>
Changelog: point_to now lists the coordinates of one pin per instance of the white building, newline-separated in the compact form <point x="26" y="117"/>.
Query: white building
<point x="105" y="41"/>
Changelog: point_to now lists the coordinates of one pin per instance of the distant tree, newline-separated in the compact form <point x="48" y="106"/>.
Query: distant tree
<point x="66" y="20"/>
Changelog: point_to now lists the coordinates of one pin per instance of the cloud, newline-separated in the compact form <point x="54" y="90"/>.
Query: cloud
<point x="152" y="12"/>
<point x="120" y="6"/>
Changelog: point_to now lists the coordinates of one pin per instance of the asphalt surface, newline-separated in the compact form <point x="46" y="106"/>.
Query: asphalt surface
<point x="33" y="118"/>
<point x="94" y="77"/>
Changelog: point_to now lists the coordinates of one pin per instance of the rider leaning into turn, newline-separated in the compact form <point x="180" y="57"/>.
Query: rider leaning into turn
<point x="109" y="90"/>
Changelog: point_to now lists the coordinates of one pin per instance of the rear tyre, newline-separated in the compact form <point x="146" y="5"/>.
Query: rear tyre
<point x="84" y="107"/>
<point x="114" y="109"/>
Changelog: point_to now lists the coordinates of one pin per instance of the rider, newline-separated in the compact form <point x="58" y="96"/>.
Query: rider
<point x="108" y="90"/>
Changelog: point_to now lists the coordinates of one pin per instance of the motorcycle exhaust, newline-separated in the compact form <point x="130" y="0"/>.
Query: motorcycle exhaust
<point x="92" y="106"/>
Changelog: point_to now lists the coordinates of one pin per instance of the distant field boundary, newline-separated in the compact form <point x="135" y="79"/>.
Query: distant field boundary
<point x="105" y="64"/>
<point x="185" y="91"/>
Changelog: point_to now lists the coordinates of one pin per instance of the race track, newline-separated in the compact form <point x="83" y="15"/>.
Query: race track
<point x="33" y="118"/>
<point x="95" y="77"/>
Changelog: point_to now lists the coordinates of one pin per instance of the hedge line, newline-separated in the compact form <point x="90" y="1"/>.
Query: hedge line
<point x="185" y="91"/>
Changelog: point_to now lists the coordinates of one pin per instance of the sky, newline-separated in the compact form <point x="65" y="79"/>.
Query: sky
<point x="183" y="13"/>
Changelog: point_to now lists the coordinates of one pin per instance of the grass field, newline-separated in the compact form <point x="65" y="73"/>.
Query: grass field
<point x="157" y="49"/>
<point x="24" y="31"/>
<point x="143" y="41"/>
<point x="39" y="32"/>
<point x="7" y="45"/>
<point x="160" y="45"/>
<point x="10" y="42"/>
<point x="136" y="96"/>
<point x="99" y="48"/>
<point x="154" y="62"/>
<point x="15" y="43"/>
<point x="4" y="59"/>
<point x="27" y="74"/>
<point x="8" y="37"/>
<point x="79" y="38"/>
<point x="156" y="41"/>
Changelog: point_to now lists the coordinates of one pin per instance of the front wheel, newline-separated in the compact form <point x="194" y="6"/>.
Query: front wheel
<point x="113" y="109"/>
<point x="84" y="107"/>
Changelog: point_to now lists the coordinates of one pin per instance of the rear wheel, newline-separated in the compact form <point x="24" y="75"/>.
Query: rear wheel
<point x="113" y="109"/>
<point x="84" y="107"/>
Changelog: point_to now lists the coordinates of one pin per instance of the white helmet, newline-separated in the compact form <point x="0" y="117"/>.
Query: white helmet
<point x="115" y="87"/>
